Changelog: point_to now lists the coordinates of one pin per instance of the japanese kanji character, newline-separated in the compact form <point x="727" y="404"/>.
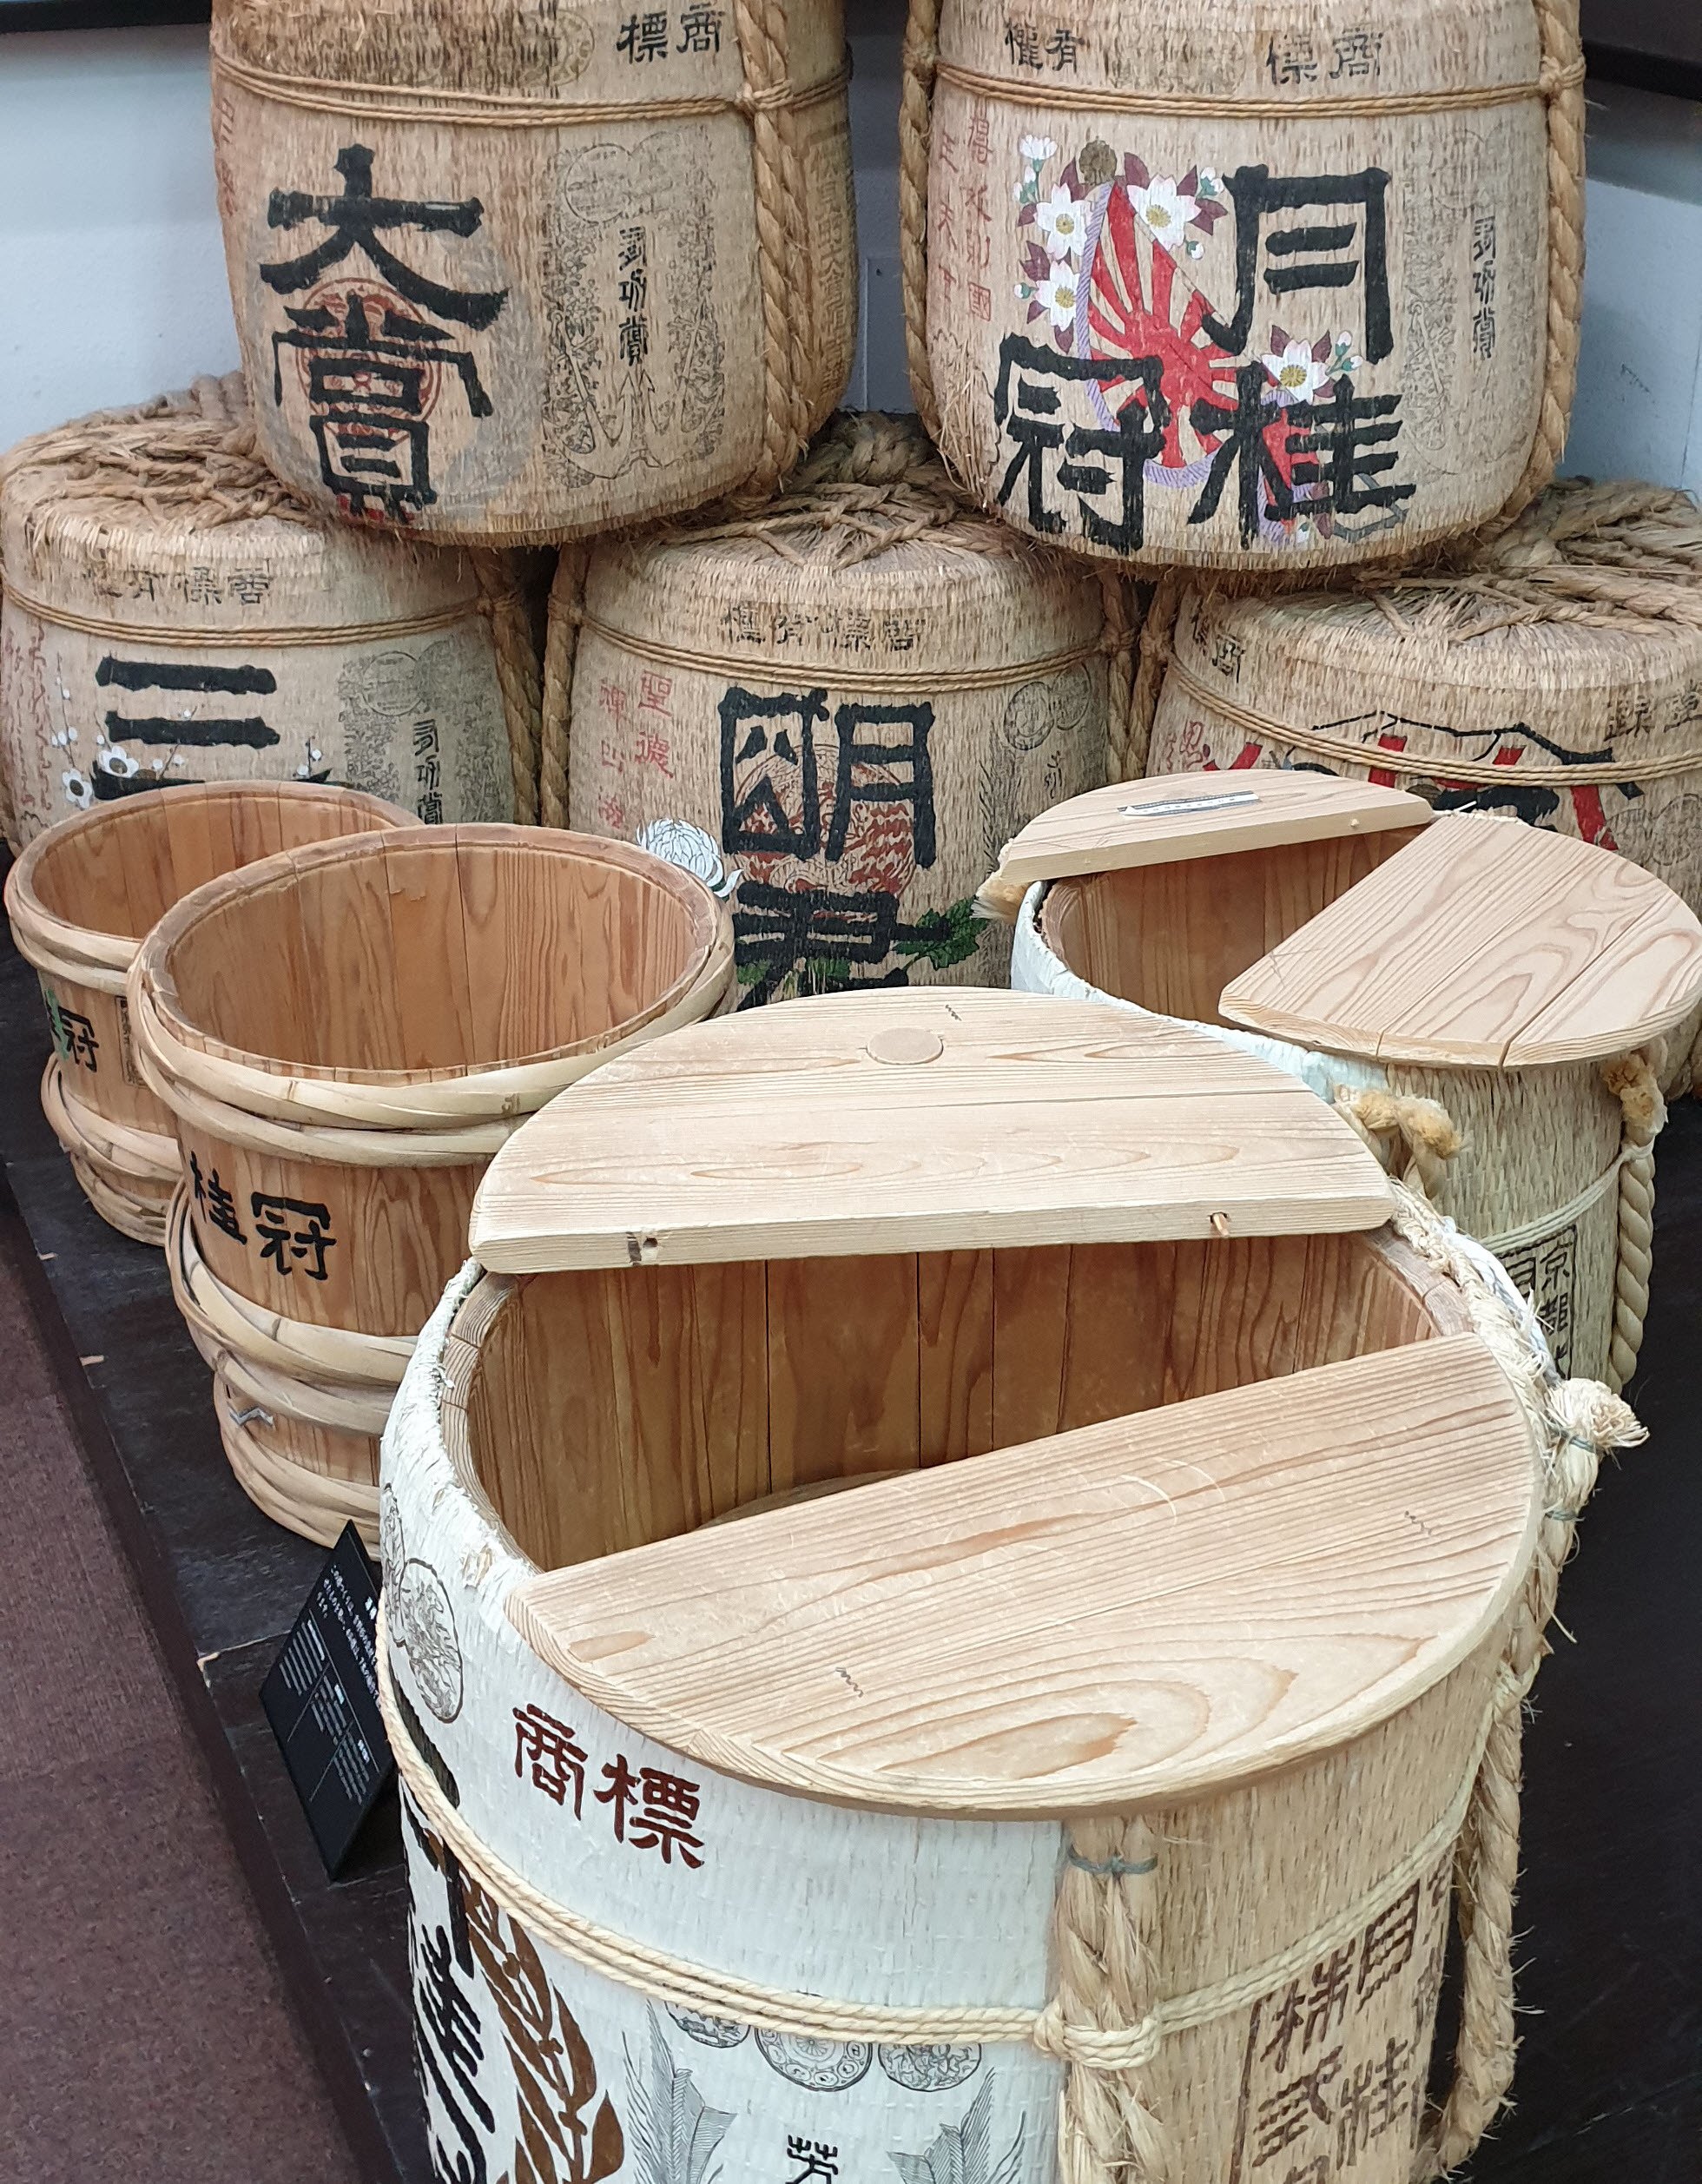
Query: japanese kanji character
<point x="555" y="1757"/>
<point x="215" y="1202"/>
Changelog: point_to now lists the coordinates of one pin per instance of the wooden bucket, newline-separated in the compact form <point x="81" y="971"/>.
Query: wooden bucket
<point x="814" y="1831"/>
<point x="503" y="273"/>
<point x="1490" y="1000"/>
<point x="343" y="1038"/>
<point x="172" y="614"/>
<point x="1283" y="295"/>
<point x="841" y="707"/>
<point x="82" y="898"/>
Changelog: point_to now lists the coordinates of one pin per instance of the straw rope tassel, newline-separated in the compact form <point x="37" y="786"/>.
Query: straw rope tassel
<point x="1127" y="740"/>
<point x="1158" y="641"/>
<point x="517" y="675"/>
<point x="567" y="609"/>
<point x="1422" y="1128"/>
<point x="915" y="129"/>
<point x="1103" y="1922"/>
<point x="782" y="239"/>
<point x="1632" y="1081"/>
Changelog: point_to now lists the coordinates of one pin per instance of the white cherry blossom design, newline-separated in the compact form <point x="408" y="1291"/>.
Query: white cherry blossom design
<point x="1038" y="149"/>
<point x="1058" y="294"/>
<point x="1163" y="207"/>
<point x="1297" y="373"/>
<point x="1061" y="222"/>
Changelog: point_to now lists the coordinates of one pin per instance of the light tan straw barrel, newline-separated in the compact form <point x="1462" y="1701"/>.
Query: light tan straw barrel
<point x="1085" y="1812"/>
<point x="840" y="706"/>
<point x="80" y="900"/>
<point x="343" y="1038"/>
<point x="171" y="613"/>
<point x="508" y="273"/>
<point x="1278" y="289"/>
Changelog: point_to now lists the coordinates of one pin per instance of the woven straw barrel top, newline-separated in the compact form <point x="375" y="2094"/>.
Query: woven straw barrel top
<point x="845" y="705"/>
<point x="502" y="273"/>
<point x="1557" y="677"/>
<point x="1278" y="289"/>
<point x="156" y="574"/>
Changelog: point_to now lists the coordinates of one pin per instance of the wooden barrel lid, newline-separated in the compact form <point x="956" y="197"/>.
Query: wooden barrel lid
<point x="933" y="1119"/>
<point x="1484" y="943"/>
<point x="1132" y="1612"/>
<point x="1179" y="817"/>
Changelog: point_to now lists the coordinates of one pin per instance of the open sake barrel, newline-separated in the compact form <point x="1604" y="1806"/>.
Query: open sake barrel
<point x="82" y="898"/>
<point x="1523" y="980"/>
<point x="174" y="614"/>
<point x="1555" y="674"/>
<point x="344" y="1037"/>
<point x="1297" y="298"/>
<point x="507" y="273"/>
<point x="1189" y="1617"/>
<point x="842" y="706"/>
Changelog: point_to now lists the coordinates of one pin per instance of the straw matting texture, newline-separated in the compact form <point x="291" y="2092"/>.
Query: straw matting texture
<point x="1283" y="298"/>
<point x="173" y="613"/>
<point x="614" y="272"/>
<point x="842" y="704"/>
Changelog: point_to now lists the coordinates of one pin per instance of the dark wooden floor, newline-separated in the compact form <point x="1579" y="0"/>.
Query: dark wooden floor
<point x="1610" y="2081"/>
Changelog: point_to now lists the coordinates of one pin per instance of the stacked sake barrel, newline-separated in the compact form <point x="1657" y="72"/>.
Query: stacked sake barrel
<point x="82" y="898"/>
<point x="839" y="706"/>
<point x="1278" y="302"/>
<point x="503" y="273"/>
<point x="344" y="1035"/>
<point x="711" y="1815"/>
<point x="174" y="614"/>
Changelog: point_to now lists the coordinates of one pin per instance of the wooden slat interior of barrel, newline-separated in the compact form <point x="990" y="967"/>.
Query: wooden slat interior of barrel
<point x="603" y="1409"/>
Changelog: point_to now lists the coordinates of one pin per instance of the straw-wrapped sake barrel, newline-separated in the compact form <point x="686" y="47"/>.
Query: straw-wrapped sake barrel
<point x="839" y="707"/>
<point x="171" y="613"/>
<point x="82" y="898"/>
<point x="344" y="1036"/>
<point x="510" y="272"/>
<point x="1274" y="289"/>
<point x="1490" y="1001"/>
<point x="824" y="1843"/>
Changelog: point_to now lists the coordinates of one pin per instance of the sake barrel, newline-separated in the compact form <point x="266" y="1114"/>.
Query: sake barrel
<point x="504" y="271"/>
<point x="1555" y="674"/>
<point x="1280" y="291"/>
<point x="343" y="1038"/>
<point x="80" y="900"/>
<point x="171" y="613"/>
<point x="809" y="1832"/>
<point x="839" y="707"/>
<point x="1491" y="1000"/>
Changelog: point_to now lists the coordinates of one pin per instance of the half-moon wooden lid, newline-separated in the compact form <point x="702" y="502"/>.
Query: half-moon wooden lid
<point x="1485" y="943"/>
<point x="1179" y="817"/>
<point x="1132" y="1612"/>
<point x="927" y="1120"/>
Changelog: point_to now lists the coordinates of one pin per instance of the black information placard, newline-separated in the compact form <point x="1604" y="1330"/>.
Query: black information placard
<point x="322" y="1700"/>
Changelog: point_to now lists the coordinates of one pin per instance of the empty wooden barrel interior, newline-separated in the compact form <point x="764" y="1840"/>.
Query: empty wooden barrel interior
<point x="80" y="900"/>
<point x="1192" y="1608"/>
<point x="344" y="1038"/>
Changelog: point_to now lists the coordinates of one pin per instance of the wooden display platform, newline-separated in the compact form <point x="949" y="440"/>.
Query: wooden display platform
<point x="1610" y="2081"/>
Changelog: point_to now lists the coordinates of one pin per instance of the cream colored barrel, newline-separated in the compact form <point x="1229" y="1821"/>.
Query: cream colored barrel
<point x="342" y="1039"/>
<point x="172" y="614"/>
<point x="1279" y="293"/>
<point x="82" y="898"/>
<point x="803" y="1835"/>
<point x="837" y="709"/>
<point x="503" y="273"/>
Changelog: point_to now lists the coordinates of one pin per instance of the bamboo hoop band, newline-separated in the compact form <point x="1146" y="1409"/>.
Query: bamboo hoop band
<point x="285" y="1395"/>
<point x="298" y="1347"/>
<point x="1420" y="766"/>
<point x="386" y="1118"/>
<point x="143" y="1222"/>
<point x="505" y="110"/>
<point x="99" y="978"/>
<point x="1086" y="98"/>
<point x="763" y="671"/>
<point x="247" y="640"/>
<point x="1559" y="85"/>
<point x="143" y="1155"/>
<point x="686" y="1985"/>
<point x="310" y="1503"/>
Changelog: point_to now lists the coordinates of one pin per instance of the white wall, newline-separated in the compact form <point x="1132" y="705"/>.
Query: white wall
<point x="112" y="284"/>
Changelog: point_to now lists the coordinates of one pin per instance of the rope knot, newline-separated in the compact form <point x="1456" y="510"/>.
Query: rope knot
<point x="1093" y="2047"/>
<point x="1632" y="1081"/>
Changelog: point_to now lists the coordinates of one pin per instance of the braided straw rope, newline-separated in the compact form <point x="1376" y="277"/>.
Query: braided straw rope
<point x="871" y="483"/>
<point x="194" y="457"/>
